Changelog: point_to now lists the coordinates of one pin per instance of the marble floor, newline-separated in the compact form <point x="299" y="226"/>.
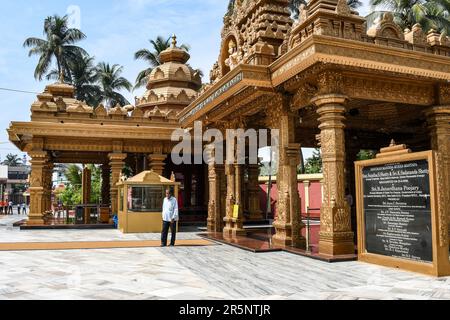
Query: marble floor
<point x="217" y="272"/>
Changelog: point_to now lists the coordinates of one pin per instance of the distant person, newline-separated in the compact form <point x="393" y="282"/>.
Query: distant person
<point x="170" y="219"/>
<point x="10" y="208"/>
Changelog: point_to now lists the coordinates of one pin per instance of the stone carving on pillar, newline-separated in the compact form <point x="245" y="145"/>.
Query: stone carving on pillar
<point x="215" y="175"/>
<point x="37" y="186"/>
<point x="336" y="237"/>
<point x="117" y="162"/>
<point x="439" y="128"/>
<point x="157" y="163"/>
<point x="288" y="224"/>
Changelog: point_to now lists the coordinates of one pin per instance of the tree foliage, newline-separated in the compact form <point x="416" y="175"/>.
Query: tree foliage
<point x="12" y="160"/>
<point x="314" y="163"/>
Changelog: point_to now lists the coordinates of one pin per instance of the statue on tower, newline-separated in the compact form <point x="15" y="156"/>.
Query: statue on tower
<point x="234" y="58"/>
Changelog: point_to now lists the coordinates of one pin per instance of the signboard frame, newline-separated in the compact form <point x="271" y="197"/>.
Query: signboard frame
<point x="440" y="266"/>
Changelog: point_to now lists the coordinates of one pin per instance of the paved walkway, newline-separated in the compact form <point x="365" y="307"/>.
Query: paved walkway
<point x="217" y="272"/>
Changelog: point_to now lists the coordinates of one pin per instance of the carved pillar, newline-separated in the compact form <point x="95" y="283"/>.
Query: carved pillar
<point x="48" y="186"/>
<point x="117" y="162"/>
<point x="288" y="224"/>
<point x="156" y="163"/>
<point x="336" y="237"/>
<point x="215" y="217"/>
<point x="439" y="128"/>
<point x="106" y="180"/>
<point x="37" y="186"/>
<point x="253" y="193"/>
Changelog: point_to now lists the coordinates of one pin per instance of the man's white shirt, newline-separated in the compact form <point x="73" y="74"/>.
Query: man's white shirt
<point x="170" y="209"/>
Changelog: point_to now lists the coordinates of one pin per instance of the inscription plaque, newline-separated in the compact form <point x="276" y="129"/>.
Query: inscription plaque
<point x="397" y="210"/>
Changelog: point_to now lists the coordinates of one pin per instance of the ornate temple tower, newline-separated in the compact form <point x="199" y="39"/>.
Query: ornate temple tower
<point x="173" y="85"/>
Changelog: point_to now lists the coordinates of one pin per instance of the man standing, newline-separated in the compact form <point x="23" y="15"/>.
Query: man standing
<point x="170" y="219"/>
<point x="10" y="210"/>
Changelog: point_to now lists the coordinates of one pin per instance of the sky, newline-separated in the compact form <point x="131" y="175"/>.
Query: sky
<point x="115" y="30"/>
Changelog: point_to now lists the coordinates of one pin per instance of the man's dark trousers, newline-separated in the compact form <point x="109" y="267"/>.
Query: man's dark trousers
<point x="165" y="233"/>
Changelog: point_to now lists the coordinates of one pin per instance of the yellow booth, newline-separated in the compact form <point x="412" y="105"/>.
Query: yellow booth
<point x="141" y="200"/>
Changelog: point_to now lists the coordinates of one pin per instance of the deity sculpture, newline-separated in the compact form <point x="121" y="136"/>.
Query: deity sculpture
<point x="233" y="58"/>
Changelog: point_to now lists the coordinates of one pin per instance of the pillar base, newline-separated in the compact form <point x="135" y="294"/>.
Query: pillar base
<point x="35" y="221"/>
<point x="284" y="237"/>
<point x="233" y="228"/>
<point x="335" y="244"/>
<point x="233" y="232"/>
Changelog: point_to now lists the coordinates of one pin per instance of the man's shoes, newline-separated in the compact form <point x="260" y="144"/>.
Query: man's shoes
<point x="163" y="245"/>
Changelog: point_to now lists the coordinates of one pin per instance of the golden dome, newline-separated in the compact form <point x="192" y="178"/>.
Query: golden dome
<point x="173" y="84"/>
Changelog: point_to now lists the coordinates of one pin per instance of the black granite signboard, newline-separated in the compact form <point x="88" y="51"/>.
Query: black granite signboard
<point x="397" y="210"/>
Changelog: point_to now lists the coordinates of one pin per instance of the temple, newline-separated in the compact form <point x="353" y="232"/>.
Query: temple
<point x="328" y="80"/>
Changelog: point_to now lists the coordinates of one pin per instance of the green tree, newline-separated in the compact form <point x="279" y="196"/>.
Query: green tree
<point x="72" y="194"/>
<point x="314" y="164"/>
<point x="59" y="44"/>
<point x="152" y="58"/>
<point x="12" y="160"/>
<point x="428" y="13"/>
<point x="111" y="83"/>
<point x="83" y="76"/>
<point x="366" y="155"/>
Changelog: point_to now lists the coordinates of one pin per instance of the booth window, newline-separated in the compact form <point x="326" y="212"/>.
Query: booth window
<point x="145" y="198"/>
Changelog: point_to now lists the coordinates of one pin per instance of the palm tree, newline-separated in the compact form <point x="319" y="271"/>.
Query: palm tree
<point x="73" y="175"/>
<point x="12" y="160"/>
<point x="152" y="58"/>
<point x="428" y="13"/>
<point x="110" y="83"/>
<point x="83" y="76"/>
<point x="59" y="44"/>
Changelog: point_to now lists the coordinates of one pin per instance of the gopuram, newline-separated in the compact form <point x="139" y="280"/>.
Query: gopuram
<point x="328" y="80"/>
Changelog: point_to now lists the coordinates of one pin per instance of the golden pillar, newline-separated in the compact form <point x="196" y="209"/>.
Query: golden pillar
<point x="48" y="186"/>
<point x="234" y="219"/>
<point x="336" y="236"/>
<point x="37" y="186"/>
<point x="157" y="163"/>
<point x="215" y="205"/>
<point x="117" y="162"/>
<point x="254" y="205"/>
<point x="439" y="128"/>
<point x="288" y="223"/>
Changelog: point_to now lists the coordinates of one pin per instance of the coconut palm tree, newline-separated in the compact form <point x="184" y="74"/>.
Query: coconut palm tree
<point x="58" y="44"/>
<point x="152" y="58"/>
<point x="12" y="160"/>
<point x="83" y="76"/>
<point x="111" y="82"/>
<point x="429" y="14"/>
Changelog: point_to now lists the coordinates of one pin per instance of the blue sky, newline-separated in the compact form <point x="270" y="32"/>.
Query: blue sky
<point x="115" y="29"/>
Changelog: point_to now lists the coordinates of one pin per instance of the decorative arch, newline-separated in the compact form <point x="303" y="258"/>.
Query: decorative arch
<point x="159" y="74"/>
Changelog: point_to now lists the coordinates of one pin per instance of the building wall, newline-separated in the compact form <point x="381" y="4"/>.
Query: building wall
<point x="310" y="196"/>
